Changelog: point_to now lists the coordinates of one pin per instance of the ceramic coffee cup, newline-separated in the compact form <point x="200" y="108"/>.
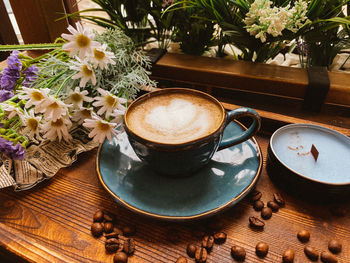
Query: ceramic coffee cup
<point x="176" y="131"/>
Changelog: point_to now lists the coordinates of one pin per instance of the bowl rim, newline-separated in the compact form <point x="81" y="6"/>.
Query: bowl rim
<point x="306" y="125"/>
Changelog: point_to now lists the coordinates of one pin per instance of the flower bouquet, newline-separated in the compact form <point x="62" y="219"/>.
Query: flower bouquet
<point x="83" y="84"/>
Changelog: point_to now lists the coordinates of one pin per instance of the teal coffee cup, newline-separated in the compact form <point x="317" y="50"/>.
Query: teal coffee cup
<point x="176" y="131"/>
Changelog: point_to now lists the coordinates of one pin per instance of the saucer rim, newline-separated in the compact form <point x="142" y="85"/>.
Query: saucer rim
<point x="184" y="218"/>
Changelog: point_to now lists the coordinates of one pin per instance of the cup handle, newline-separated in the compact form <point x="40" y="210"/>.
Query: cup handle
<point x="253" y="128"/>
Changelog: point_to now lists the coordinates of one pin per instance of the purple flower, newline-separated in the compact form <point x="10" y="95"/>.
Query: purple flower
<point x="11" y="73"/>
<point x="5" y="95"/>
<point x="15" y="152"/>
<point x="30" y="74"/>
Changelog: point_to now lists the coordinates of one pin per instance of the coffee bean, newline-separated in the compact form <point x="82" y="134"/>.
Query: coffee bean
<point x="108" y="227"/>
<point x="108" y="217"/>
<point x="191" y="250"/>
<point x="337" y="211"/>
<point x="266" y="213"/>
<point x="288" y="256"/>
<point x="273" y="205"/>
<point x="112" y="245"/>
<point x="261" y="249"/>
<point x="327" y="257"/>
<point x="256" y="222"/>
<point x="129" y="246"/>
<point x="201" y="255"/>
<point x="98" y="216"/>
<point x="334" y="246"/>
<point x="303" y="236"/>
<point x="96" y="229"/>
<point x="208" y="242"/>
<point x="128" y="230"/>
<point x="255" y="195"/>
<point x="181" y="260"/>
<point x="238" y="253"/>
<point x="220" y="237"/>
<point x="311" y="253"/>
<point x="120" y="257"/>
<point x="111" y="235"/>
<point x="258" y="205"/>
<point x="279" y="199"/>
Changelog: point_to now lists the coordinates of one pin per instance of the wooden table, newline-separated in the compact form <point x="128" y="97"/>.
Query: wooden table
<point x="51" y="223"/>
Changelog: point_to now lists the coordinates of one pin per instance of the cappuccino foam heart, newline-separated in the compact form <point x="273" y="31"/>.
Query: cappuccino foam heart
<point x="174" y="118"/>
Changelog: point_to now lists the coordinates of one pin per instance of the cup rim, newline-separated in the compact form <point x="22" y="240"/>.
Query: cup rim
<point x="173" y="90"/>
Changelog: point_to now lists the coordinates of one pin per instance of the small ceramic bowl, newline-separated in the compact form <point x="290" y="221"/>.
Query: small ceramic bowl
<point x="310" y="160"/>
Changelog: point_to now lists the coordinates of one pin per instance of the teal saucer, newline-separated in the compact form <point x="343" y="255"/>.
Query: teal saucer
<point x="228" y="177"/>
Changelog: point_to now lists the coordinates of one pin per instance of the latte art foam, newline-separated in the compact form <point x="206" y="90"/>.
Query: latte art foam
<point x="174" y="118"/>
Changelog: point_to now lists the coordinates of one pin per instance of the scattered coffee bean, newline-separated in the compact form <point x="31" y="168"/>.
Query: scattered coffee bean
<point x="96" y="229"/>
<point x="327" y="257"/>
<point x="108" y="227"/>
<point x="112" y="245"/>
<point x="111" y="235"/>
<point x="279" y="199"/>
<point x="191" y="250"/>
<point x="129" y="246"/>
<point x="238" y="253"/>
<point x="288" y="256"/>
<point x="120" y="257"/>
<point x="311" y="253"/>
<point x="128" y="230"/>
<point x="337" y="211"/>
<point x="98" y="216"/>
<point x="181" y="260"/>
<point x="261" y="249"/>
<point x="220" y="237"/>
<point x="255" y="195"/>
<point x="108" y="217"/>
<point x="258" y="205"/>
<point x="201" y="255"/>
<point x="334" y="246"/>
<point x="273" y="205"/>
<point x="208" y="242"/>
<point x="303" y="236"/>
<point x="266" y="213"/>
<point x="256" y="222"/>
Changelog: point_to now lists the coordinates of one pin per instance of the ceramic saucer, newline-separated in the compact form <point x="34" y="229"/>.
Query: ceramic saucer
<point x="228" y="177"/>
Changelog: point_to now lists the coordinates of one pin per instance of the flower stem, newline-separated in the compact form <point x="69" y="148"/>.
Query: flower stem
<point x="64" y="83"/>
<point x="30" y="46"/>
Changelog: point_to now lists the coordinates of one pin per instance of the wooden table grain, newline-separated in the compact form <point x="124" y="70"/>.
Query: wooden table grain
<point x="51" y="223"/>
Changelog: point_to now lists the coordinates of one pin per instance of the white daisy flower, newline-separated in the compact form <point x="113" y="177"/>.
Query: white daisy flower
<point x="80" y="41"/>
<point x="52" y="108"/>
<point x="33" y="96"/>
<point x="32" y="124"/>
<point x="58" y="128"/>
<point x="12" y="110"/>
<point x="85" y="73"/>
<point x="79" y="115"/>
<point x="102" y="58"/>
<point x="118" y="116"/>
<point x="77" y="97"/>
<point x="100" y="129"/>
<point x="108" y="102"/>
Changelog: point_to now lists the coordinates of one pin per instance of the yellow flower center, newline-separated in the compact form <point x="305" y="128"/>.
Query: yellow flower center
<point x="86" y="71"/>
<point x="82" y="41"/>
<point x="57" y="123"/>
<point x="99" y="55"/>
<point x="103" y="126"/>
<point x="54" y="105"/>
<point x="32" y="124"/>
<point x="76" y="97"/>
<point x="111" y="101"/>
<point x="36" y="95"/>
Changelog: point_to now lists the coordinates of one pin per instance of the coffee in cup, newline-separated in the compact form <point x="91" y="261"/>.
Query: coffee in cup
<point x="176" y="131"/>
